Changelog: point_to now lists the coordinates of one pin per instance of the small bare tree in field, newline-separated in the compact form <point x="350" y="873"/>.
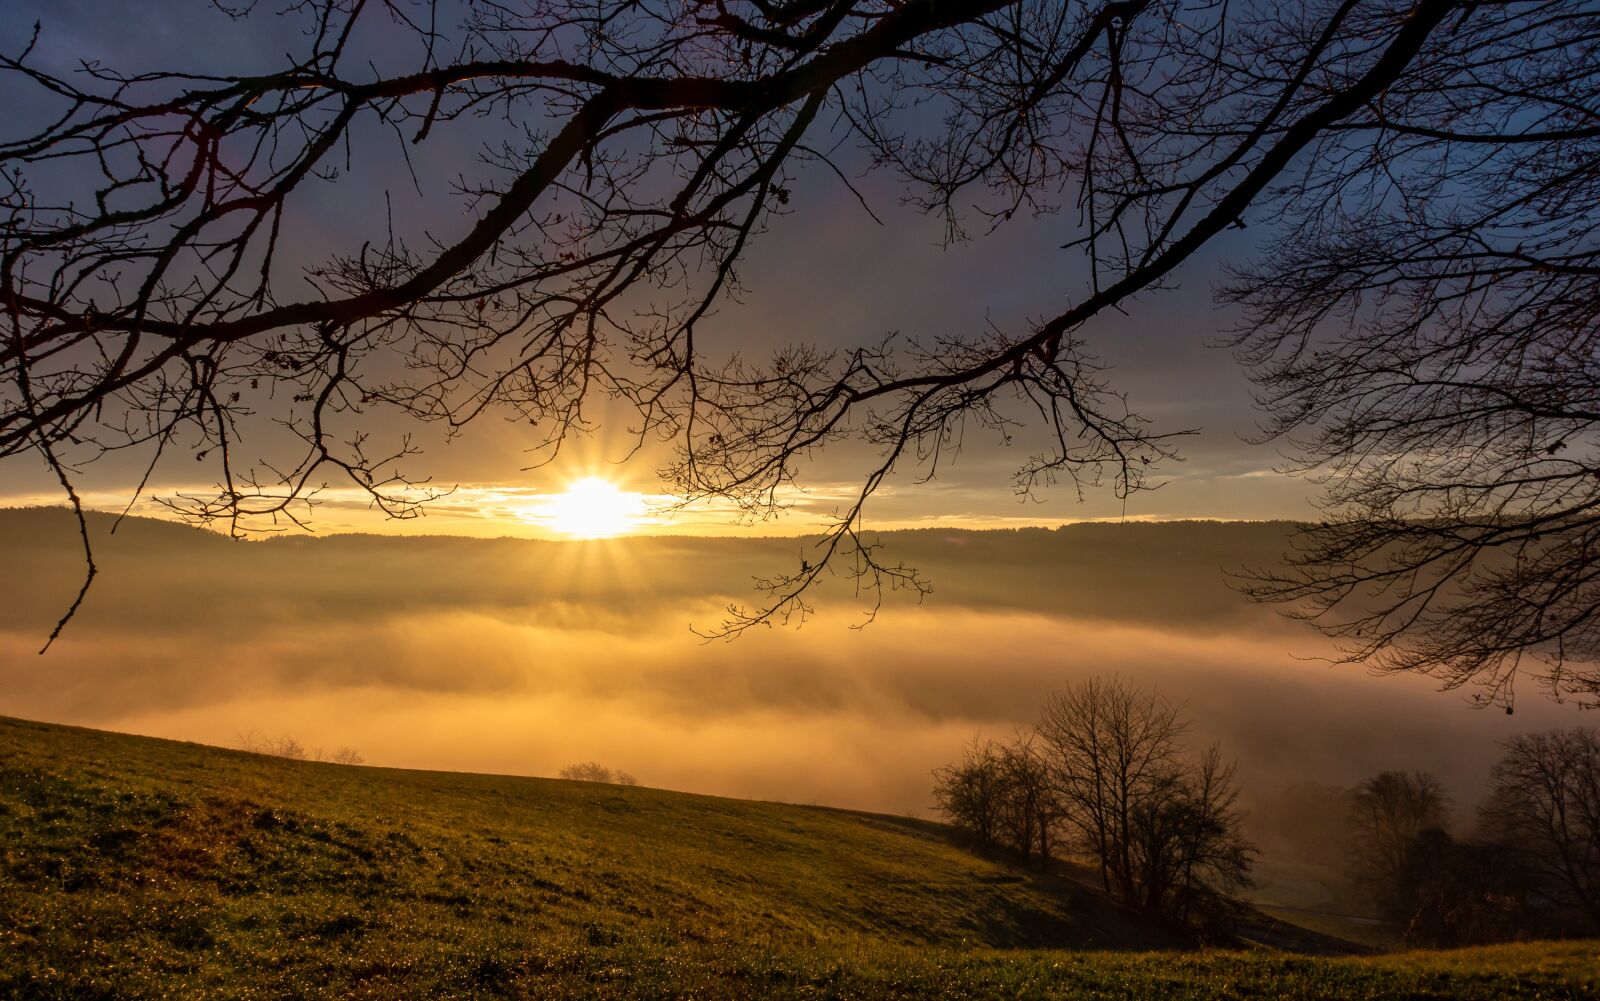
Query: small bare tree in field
<point x="345" y="756"/>
<point x="1000" y="794"/>
<point x="1164" y="831"/>
<point x="1103" y="773"/>
<point x="969" y="792"/>
<point x="1110" y="745"/>
<point x="288" y="747"/>
<point x="1190" y="858"/>
<point x="1029" y="809"/>
<point x="593" y="771"/>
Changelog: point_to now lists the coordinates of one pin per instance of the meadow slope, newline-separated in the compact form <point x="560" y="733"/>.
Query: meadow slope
<point x="132" y="867"/>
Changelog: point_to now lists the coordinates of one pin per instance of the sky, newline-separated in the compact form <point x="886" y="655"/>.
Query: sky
<point x="825" y="273"/>
<point x="524" y="656"/>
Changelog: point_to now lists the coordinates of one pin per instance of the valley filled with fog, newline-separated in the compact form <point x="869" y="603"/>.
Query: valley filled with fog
<point x="521" y="657"/>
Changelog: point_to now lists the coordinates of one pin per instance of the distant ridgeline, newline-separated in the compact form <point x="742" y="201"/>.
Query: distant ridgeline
<point x="1173" y="573"/>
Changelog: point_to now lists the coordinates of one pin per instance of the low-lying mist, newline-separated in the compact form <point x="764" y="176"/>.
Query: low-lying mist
<point x="521" y="657"/>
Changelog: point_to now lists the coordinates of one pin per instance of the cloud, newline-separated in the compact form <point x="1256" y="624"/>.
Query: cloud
<point x="521" y="657"/>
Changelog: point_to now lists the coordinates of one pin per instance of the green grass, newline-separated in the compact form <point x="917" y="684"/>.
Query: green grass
<point x="132" y="867"/>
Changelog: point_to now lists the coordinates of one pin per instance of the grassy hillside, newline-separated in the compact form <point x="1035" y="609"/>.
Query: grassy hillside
<point x="132" y="867"/>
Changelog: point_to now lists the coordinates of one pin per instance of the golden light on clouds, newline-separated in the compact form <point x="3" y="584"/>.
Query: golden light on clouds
<point x="521" y="657"/>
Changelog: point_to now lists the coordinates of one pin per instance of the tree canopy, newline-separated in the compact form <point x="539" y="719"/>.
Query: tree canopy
<point x="1421" y="318"/>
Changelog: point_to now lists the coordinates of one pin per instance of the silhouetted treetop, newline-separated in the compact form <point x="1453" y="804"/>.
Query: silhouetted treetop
<point x="630" y="153"/>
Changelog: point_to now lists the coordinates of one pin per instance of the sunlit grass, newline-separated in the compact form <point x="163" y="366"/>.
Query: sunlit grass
<point x="140" y="868"/>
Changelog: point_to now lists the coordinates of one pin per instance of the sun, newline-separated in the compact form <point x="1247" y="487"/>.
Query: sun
<point x="593" y="508"/>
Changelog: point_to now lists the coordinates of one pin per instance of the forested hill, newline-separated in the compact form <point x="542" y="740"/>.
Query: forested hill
<point x="1174" y="573"/>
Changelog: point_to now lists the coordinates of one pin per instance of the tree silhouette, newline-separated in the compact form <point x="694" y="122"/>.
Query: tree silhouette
<point x="636" y="151"/>
<point x="1165" y="831"/>
<point x="1545" y="803"/>
<point x="1388" y="811"/>
<point x="1423" y="330"/>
